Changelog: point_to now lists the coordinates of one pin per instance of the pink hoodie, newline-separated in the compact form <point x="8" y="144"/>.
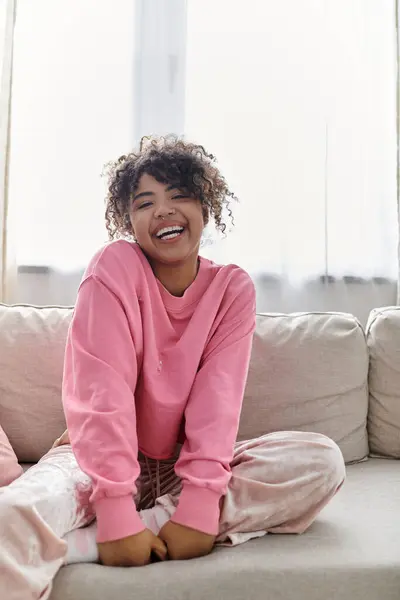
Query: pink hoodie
<point x="142" y="368"/>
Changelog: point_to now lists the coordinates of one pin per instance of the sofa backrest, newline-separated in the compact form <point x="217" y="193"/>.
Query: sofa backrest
<point x="32" y="342"/>
<point x="308" y="371"/>
<point x="383" y="338"/>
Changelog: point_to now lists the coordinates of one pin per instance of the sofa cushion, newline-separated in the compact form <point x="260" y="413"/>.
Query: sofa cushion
<point x="383" y="338"/>
<point x="309" y="372"/>
<point x="351" y="551"/>
<point x="32" y="342"/>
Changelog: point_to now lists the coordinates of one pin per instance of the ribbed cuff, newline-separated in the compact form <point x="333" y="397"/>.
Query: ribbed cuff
<point x="117" y="518"/>
<point x="199" y="509"/>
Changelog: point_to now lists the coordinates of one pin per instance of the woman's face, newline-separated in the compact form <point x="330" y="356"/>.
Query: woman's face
<point x="166" y="222"/>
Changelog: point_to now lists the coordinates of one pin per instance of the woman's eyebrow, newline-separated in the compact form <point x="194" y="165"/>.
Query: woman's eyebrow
<point x="142" y="195"/>
<point x="149" y="193"/>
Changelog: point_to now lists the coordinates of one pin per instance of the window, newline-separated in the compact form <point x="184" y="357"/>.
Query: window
<point x="298" y="101"/>
<point x="296" y="98"/>
<point x="72" y="111"/>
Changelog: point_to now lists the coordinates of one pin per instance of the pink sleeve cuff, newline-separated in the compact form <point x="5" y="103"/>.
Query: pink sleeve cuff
<point x="199" y="509"/>
<point x="117" y="518"/>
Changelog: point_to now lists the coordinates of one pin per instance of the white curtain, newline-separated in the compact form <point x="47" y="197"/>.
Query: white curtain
<point x="398" y="136"/>
<point x="73" y="104"/>
<point x="298" y="101"/>
<point x="297" y="98"/>
<point x="7" y="248"/>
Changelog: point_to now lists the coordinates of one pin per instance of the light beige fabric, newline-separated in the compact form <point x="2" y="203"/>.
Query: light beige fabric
<point x="383" y="338"/>
<point x="32" y="342"/>
<point x="351" y="552"/>
<point x="309" y="372"/>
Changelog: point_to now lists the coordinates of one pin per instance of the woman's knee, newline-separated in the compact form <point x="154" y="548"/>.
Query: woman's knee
<point x="330" y="460"/>
<point x="11" y="470"/>
<point x="10" y="505"/>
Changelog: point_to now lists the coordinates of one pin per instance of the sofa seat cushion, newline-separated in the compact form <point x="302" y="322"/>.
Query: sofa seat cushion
<point x="350" y="553"/>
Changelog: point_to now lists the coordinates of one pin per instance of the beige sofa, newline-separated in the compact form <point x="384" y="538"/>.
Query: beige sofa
<point x="316" y="371"/>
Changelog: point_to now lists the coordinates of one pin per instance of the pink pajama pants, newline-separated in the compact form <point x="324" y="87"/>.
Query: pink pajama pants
<point x="280" y="482"/>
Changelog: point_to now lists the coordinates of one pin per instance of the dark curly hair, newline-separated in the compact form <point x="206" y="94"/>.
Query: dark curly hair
<point x="173" y="161"/>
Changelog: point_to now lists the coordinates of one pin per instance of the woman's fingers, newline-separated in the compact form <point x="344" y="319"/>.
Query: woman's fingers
<point x="61" y="441"/>
<point x="159" y="548"/>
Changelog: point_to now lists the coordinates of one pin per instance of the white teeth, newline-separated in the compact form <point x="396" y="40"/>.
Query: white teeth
<point x="174" y="229"/>
<point x="171" y="236"/>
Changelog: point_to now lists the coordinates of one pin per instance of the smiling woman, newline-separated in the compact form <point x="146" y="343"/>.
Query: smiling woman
<point x="163" y="197"/>
<point x="168" y="229"/>
<point x="187" y="171"/>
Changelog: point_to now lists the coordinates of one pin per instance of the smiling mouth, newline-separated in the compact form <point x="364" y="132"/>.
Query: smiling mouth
<point x="170" y="233"/>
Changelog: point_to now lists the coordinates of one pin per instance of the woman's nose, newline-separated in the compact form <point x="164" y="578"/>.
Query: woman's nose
<point x="164" y="210"/>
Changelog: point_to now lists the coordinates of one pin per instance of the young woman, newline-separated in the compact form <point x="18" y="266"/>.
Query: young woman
<point x="155" y="369"/>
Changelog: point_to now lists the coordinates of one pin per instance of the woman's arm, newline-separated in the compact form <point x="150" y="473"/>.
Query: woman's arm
<point x="213" y="412"/>
<point x="100" y="373"/>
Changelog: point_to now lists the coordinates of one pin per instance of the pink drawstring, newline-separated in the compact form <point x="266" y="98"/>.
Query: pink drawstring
<point x="156" y="492"/>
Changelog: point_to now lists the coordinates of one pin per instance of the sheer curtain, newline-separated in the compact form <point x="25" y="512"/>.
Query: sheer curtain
<point x="89" y="79"/>
<point x="8" y="267"/>
<point x="298" y="101"/>
<point x="297" y="98"/>
<point x="73" y="102"/>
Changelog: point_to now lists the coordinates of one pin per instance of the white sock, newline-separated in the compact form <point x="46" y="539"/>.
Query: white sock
<point x="154" y="518"/>
<point x="82" y="545"/>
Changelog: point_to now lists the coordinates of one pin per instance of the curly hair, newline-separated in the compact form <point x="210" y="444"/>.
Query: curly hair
<point x="173" y="161"/>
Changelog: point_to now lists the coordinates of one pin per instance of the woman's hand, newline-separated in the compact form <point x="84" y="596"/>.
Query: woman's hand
<point x="133" y="551"/>
<point x="63" y="440"/>
<point x="183" y="542"/>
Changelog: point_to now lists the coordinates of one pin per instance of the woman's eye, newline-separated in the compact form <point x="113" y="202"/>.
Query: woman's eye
<point x="179" y="197"/>
<point x="145" y="205"/>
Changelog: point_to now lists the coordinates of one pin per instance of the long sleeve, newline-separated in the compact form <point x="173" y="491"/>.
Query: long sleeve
<point x="100" y="374"/>
<point x="212" y="416"/>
